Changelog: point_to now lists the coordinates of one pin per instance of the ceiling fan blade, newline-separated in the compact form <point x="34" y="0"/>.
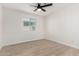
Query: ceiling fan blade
<point x="43" y="9"/>
<point x="35" y="9"/>
<point x="47" y="5"/>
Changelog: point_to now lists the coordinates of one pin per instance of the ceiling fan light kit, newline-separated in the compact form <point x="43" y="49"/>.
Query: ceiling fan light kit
<point x="39" y="9"/>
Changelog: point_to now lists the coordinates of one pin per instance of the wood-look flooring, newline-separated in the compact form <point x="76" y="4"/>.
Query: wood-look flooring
<point x="39" y="48"/>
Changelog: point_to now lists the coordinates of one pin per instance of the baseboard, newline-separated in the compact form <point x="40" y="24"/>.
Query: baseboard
<point x="73" y="46"/>
<point x="19" y="42"/>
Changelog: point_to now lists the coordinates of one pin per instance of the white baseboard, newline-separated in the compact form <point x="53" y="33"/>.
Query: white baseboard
<point x="73" y="46"/>
<point x="19" y="42"/>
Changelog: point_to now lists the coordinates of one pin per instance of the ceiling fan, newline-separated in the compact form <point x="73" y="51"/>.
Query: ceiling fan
<point x="41" y="6"/>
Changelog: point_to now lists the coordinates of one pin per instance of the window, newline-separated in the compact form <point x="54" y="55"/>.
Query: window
<point x="29" y="24"/>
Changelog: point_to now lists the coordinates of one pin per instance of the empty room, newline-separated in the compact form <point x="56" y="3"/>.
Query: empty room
<point x="39" y="29"/>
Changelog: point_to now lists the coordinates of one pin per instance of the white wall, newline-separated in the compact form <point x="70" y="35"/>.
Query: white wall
<point x="0" y="26"/>
<point x="13" y="31"/>
<point x="63" y="26"/>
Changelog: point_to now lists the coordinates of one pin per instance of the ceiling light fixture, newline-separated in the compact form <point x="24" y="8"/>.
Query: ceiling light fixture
<point x="39" y="9"/>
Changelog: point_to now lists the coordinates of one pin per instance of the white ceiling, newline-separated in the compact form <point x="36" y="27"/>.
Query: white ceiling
<point x="26" y="7"/>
